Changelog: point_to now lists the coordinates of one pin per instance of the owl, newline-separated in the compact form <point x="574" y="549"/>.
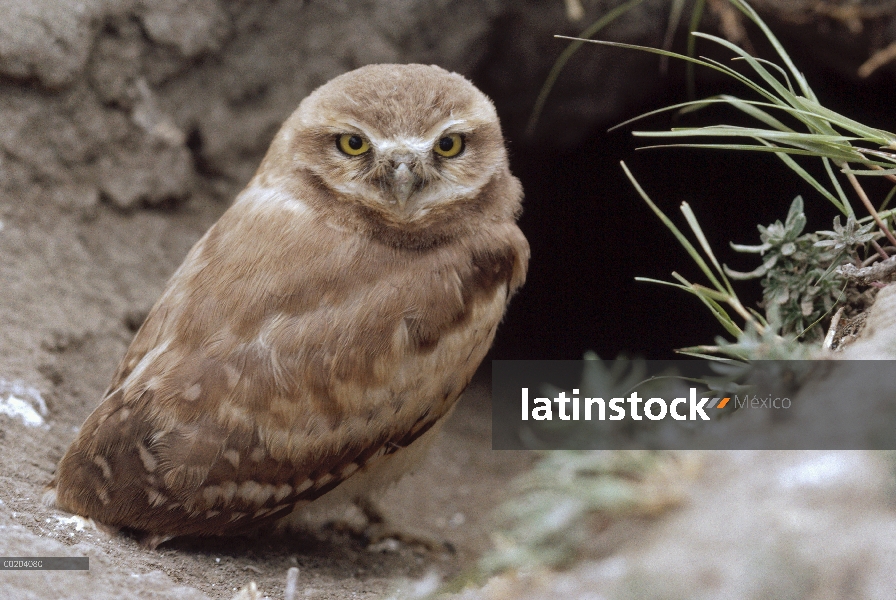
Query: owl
<point x="319" y="334"/>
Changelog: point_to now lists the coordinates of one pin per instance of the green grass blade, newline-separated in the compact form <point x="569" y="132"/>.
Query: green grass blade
<point x="674" y="19"/>
<point x="752" y="148"/>
<point x="887" y="156"/>
<point x="811" y="120"/>
<point x="659" y="51"/>
<point x="692" y="351"/>
<point x="564" y="57"/>
<point x="793" y="138"/>
<point x="886" y="201"/>
<point x="691" y="218"/>
<point x="762" y="115"/>
<point x="884" y="214"/>
<point x="871" y="134"/>
<point x="869" y="172"/>
<point x="828" y="116"/>
<point x="760" y="70"/>
<point x="836" y="156"/>
<point x="741" y="357"/>
<point x="685" y="108"/>
<point x="688" y="106"/>
<point x="839" y="152"/>
<point x="746" y="106"/>
<point x="846" y="209"/>
<point x="759" y="316"/>
<point x="844" y="200"/>
<point x="777" y="68"/>
<point x="757" y="113"/>
<point x="661" y="282"/>
<point x="675" y="231"/>
<point x="697" y="61"/>
<point x="746" y="81"/>
<point x="715" y="308"/>
<point x="709" y="297"/>
<point x="748" y="10"/>
<point x="787" y="98"/>
<point x="709" y="292"/>
<point x="696" y="18"/>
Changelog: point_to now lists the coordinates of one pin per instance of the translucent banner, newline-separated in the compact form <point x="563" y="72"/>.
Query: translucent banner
<point x="694" y="404"/>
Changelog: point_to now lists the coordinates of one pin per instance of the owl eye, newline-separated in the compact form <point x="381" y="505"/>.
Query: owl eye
<point x="352" y="144"/>
<point x="450" y="145"/>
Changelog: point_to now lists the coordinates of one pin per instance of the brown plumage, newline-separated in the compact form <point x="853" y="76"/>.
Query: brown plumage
<point x="319" y="333"/>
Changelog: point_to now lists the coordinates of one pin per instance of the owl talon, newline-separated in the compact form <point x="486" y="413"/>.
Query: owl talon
<point x="378" y="533"/>
<point x="153" y="541"/>
<point x="378" y="530"/>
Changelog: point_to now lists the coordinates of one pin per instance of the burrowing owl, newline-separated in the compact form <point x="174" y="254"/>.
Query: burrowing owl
<point x="317" y="336"/>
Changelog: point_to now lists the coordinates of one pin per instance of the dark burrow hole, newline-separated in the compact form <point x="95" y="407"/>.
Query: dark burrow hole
<point x="591" y="234"/>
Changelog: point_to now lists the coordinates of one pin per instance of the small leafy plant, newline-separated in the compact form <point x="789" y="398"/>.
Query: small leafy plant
<point x="799" y="288"/>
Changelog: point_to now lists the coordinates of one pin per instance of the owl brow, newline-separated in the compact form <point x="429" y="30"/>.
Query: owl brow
<point x="347" y="125"/>
<point x="459" y="126"/>
<point x="444" y="126"/>
<point x="415" y="143"/>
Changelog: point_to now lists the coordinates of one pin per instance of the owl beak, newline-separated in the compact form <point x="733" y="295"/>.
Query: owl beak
<point x="404" y="182"/>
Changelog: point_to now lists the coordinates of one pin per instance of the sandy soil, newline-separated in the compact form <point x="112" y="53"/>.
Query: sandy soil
<point x="108" y="109"/>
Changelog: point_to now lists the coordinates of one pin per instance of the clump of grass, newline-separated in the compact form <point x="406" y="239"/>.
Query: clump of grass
<point x="801" y="280"/>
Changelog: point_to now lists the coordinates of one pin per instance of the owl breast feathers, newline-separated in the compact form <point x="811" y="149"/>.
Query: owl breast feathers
<point x="328" y="320"/>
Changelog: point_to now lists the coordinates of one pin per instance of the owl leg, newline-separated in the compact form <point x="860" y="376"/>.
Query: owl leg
<point x="153" y="541"/>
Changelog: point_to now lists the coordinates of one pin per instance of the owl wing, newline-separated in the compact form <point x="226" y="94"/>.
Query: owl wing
<point x="277" y="364"/>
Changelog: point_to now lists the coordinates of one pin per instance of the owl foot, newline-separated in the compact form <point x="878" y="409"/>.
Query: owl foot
<point x="153" y="541"/>
<point x="378" y="531"/>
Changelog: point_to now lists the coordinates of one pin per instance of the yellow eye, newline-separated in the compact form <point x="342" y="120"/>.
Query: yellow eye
<point x="352" y="144"/>
<point x="450" y="145"/>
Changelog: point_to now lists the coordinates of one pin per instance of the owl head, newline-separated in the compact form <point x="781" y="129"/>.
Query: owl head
<point x="407" y="146"/>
